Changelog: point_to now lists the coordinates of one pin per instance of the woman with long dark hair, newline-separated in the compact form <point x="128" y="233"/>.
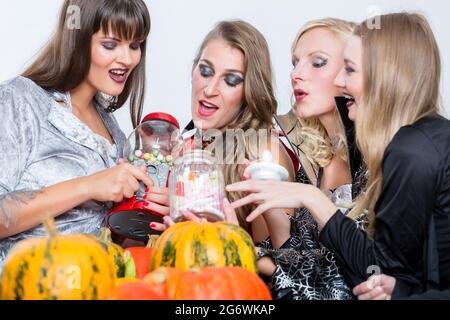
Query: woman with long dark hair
<point x="60" y="142"/>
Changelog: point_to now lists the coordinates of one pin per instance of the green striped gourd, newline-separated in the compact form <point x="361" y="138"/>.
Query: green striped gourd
<point x="57" y="267"/>
<point x="191" y="245"/>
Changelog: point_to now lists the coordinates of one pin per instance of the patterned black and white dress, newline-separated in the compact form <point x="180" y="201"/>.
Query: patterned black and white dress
<point x="305" y="269"/>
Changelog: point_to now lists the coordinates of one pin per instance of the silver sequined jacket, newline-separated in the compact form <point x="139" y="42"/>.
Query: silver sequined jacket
<point x="43" y="143"/>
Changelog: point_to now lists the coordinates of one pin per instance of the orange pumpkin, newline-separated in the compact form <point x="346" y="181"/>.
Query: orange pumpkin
<point x="159" y="279"/>
<point x="226" y="283"/>
<point x="142" y="257"/>
<point x="136" y="290"/>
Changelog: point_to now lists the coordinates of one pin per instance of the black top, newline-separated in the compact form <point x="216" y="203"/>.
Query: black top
<point x="412" y="230"/>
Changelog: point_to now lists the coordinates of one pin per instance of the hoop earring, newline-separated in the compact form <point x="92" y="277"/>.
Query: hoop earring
<point x="110" y="103"/>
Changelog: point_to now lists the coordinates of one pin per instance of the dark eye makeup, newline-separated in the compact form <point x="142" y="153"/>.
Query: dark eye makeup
<point x="233" y="80"/>
<point x="206" y="71"/>
<point x="110" y="45"/>
<point x="230" y="79"/>
<point x="319" y="62"/>
<point x="135" y="45"/>
<point x="349" y="70"/>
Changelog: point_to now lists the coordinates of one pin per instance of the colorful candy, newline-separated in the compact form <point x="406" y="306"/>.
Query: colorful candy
<point x="198" y="187"/>
<point x="139" y="159"/>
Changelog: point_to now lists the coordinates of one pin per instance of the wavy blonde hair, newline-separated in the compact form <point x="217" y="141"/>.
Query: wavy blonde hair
<point x="401" y="72"/>
<point x="309" y="134"/>
<point x="259" y="105"/>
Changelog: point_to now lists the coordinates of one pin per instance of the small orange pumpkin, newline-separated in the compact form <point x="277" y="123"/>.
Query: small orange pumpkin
<point x="226" y="283"/>
<point x="142" y="257"/>
<point x="136" y="290"/>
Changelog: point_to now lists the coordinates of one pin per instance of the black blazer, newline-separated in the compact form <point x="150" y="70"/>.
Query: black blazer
<point x="412" y="230"/>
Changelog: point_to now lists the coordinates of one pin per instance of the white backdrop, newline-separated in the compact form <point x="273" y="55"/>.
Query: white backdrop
<point x="180" y="25"/>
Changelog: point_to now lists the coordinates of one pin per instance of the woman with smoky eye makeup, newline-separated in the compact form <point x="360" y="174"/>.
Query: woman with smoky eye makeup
<point x="232" y="89"/>
<point x="60" y="141"/>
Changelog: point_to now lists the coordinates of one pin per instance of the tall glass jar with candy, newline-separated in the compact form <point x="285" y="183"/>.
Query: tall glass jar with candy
<point x="197" y="186"/>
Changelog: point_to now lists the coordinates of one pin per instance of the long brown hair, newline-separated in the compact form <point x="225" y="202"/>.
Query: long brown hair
<point x="401" y="73"/>
<point x="65" y="61"/>
<point x="259" y="105"/>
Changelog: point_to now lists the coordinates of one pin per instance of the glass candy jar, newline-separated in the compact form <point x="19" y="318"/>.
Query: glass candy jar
<point x="150" y="146"/>
<point x="197" y="185"/>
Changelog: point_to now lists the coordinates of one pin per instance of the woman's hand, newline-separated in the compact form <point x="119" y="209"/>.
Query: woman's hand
<point x="268" y="195"/>
<point x="276" y="220"/>
<point x="117" y="183"/>
<point x="230" y="213"/>
<point x="378" y="287"/>
<point x="230" y="216"/>
<point x="159" y="200"/>
<point x="274" y="194"/>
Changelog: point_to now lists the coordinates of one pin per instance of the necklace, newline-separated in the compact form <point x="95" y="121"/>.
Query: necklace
<point x="202" y="141"/>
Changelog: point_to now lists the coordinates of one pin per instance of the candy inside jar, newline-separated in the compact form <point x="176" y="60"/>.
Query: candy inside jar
<point x="151" y="160"/>
<point x="197" y="186"/>
<point x="151" y="146"/>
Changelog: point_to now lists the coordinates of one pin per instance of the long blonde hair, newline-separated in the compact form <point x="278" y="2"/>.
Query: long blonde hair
<point x="259" y="105"/>
<point x="309" y="134"/>
<point x="401" y="73"/>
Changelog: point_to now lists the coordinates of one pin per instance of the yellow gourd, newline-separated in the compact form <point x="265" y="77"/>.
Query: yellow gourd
<point x="57" y="267"/>
<point x="189" y="245"/>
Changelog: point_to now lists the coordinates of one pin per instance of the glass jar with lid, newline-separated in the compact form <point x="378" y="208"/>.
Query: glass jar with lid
<point x="197" y="186"/>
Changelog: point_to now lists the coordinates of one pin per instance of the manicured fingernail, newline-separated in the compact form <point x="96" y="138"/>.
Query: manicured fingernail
<point x="152" y="225"/>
